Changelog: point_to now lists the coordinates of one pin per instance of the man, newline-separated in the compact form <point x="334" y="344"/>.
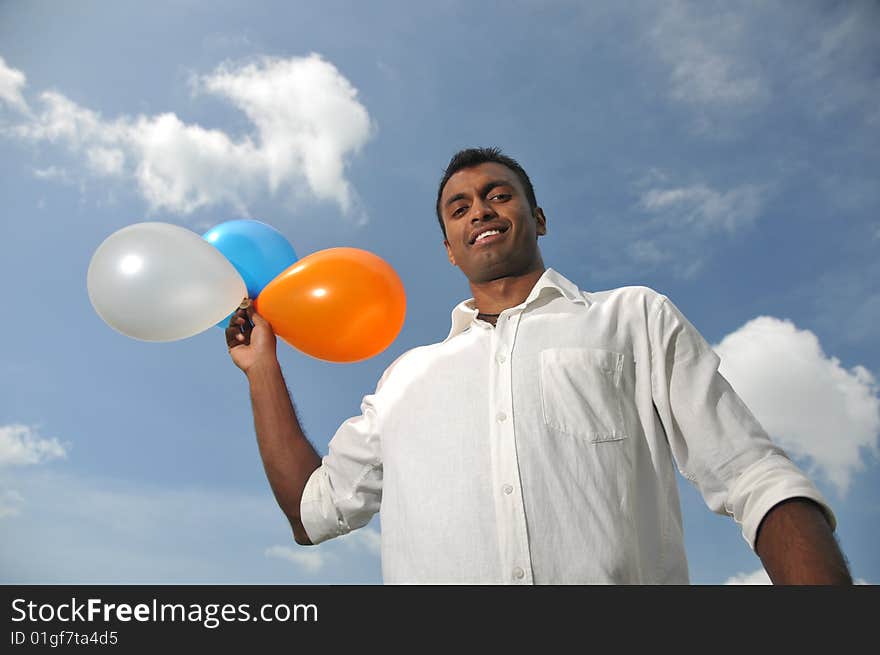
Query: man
<point x="538" y="442"/>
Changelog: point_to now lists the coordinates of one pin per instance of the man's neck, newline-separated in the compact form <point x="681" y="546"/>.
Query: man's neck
<point x="494" y="296"/>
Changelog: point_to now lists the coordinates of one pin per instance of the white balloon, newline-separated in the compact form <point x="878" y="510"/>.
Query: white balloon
<point x="162" y="282"/>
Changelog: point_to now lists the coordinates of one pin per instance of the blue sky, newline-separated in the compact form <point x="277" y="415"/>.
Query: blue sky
<point x="725" y="154"/>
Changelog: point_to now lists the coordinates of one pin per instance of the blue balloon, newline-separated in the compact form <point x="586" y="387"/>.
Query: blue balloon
<point x="258" y="252"/>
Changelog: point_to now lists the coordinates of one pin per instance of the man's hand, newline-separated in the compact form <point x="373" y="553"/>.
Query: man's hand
<point x="250" y="339"/>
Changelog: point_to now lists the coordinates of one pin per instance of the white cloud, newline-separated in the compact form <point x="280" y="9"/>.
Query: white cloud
<point x="182" y="167"/>
<point x="665" y="252"/>
<point x="52" y="173"/>
<point x="704" y="56"/>
<point x="674" y="224"/>
<point x="722" y="65"/>
<point x="20" y="445"/>
<point x="79" y="530"/>
<point x="100" y="530"/>
<point x="307" y="116"/>
<point x="648" y="252"/>
<point x="704" y="208"/>
<point x="309" y="558"/>
<point x="11" y="83"/>
<point x="307" y="123"/>
<point x="839" y="61"/>
<point x="758" y="577"/>
<point x="63" y="121"/>
<point x="10" y="503"/>
<point x="314" y="558"/>
<point x="365" y="538"/>
<point x="808" y="403"/>
<point x="702" y="76"/>
<point x="106" y="161"/>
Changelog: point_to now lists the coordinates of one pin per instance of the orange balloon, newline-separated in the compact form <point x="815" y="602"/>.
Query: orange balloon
<point x="339" y="304"/>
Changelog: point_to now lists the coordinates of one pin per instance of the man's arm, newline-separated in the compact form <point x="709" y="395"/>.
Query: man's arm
<point x="796" y="546"/>
<point x="288" y="457"/>
<point x="709" y="427"/>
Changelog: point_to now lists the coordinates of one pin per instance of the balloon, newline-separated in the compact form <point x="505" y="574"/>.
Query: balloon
<point x="161" y="282"/>
<point x="339" y="305"/>
<point x="258" y="251"/>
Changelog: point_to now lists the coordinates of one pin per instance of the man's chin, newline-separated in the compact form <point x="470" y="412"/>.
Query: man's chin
<point x="495" y="266"/>
<point x="488" y="271"/>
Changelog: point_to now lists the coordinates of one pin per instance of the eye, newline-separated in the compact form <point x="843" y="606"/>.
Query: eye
<point x="500" y="196"/>
<point x="458" y="211"/>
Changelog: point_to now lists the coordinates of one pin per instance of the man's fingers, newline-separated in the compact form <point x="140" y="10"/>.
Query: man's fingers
<point x="238" y="318"/>
<point x="239" y="331"/>
<point x="255" y="318"/>
<point x="242" y="323"/>
<point x="232" y="334"/>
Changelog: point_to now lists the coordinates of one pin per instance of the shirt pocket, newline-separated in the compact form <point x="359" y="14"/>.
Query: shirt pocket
<point x="580" y="392"/>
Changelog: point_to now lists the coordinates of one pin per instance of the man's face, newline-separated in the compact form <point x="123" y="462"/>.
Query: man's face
<point x="489" y="200"/>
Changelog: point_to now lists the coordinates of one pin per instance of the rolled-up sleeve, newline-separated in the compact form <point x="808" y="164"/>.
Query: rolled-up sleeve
<point x="716" y="442"/>
<point x="346" y="490"/>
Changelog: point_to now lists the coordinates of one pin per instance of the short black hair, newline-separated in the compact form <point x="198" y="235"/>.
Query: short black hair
<point x="474" y="157"/>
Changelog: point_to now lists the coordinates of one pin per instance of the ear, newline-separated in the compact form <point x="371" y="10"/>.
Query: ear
<point x="541" y="221"/>
<point x="449" y="252"/>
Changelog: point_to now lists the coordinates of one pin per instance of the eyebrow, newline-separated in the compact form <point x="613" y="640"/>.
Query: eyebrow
<point x="486" y="188"/>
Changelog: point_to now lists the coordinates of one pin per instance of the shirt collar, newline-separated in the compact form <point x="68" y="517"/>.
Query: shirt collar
<point x="551" y="282"/>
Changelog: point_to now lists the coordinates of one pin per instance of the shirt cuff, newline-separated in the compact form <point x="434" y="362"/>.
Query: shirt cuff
<point x="764" y="485"/>
<point x="317" y="511"/>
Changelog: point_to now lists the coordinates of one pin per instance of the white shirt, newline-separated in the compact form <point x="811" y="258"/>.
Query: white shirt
<point x="544" y="449"/>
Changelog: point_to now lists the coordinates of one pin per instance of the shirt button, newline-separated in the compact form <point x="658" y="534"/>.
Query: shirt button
<point x="507" y="489"/>
<point x="501" y="416"/>
<point x="500" y="358"/>
<point x="518" y="573"/>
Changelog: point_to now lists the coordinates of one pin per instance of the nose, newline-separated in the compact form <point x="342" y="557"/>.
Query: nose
<point x="481" y="210"/>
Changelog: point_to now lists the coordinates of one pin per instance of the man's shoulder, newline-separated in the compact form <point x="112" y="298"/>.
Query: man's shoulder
<point x="629" y="296"/>
<point x="415" y="356"/>
<point x="570" y="288"/>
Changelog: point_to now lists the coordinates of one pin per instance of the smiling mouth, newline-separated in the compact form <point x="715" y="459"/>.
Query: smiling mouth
<point x="489" y="236"/>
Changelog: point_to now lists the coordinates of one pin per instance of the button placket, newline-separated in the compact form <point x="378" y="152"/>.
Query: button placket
<point x="512" y="533"/>
<point x="522" y="559"/>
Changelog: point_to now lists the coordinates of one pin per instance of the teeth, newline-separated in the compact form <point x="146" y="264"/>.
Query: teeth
<point x="486" y="234"/>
